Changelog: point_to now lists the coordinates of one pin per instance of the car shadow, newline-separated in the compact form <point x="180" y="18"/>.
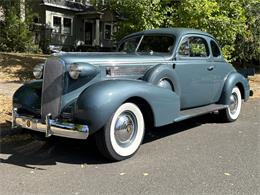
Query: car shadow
<point x="174" y="128"/>
<point x="22" y="150"/>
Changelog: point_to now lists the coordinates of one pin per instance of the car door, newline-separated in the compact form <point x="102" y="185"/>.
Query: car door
<point x="194" y="68"/>
<point x="220" y="71"/>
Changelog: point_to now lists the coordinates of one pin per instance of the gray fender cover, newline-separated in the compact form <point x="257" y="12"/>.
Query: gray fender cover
<point x="155" y="74"/>
<point x="231" y="81"/>
<point x="97" y="103"/>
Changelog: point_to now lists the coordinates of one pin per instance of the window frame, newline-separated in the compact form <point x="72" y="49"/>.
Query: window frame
<point x="128" y="38"/>
<point x="62" y="24"/>
<point x="220" y="53"/>
<point x="71" y="26"/>
<point x="111" y="31"/>
<point x="159" y="35"/>
<point x="189" y="57"/>
<point x="54" y="27"/>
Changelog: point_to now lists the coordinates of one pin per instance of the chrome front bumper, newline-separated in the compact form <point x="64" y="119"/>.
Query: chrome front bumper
<point x="51" y="127"/>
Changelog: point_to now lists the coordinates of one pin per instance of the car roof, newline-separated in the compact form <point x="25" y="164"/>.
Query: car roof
<point x="178" y="32"/>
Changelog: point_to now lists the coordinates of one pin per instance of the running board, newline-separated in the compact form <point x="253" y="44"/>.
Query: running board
<point x="189" y="113"/>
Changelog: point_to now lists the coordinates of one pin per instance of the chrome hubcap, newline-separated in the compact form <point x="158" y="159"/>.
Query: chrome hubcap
<point x="165" y="83"/>
<point x="125" y="128"/>
<point x="233" y="103"/>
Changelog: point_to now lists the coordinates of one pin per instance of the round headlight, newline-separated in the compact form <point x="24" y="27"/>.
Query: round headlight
<point x="74" y="71"/>
<point x="38" y="71"/>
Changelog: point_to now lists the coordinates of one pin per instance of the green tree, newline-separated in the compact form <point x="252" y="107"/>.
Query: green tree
<point x="225" y="20"/>
<point x="228" y="21"/>
<point x="247" y="47"/>
<point x="137" y="15"/>
<point x="15" y="35"/>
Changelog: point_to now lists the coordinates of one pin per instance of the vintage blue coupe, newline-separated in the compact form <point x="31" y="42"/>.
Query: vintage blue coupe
<point x="156" y="77"/>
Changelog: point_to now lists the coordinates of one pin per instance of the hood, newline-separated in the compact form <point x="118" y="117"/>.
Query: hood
<point x="109" y="58"/>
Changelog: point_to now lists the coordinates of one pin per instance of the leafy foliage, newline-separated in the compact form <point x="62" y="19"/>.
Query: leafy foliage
<point x="15" y="33"/>
<point x="247" y="46"/>
<point x="234" y="23"/>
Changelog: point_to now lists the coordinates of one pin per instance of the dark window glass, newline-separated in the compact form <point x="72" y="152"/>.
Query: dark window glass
<point x="129" y="45"/>
<point x="67" y="26"/>
<point x="108" y="31"/>
<point x="155" y="43"/>
<point x="194" y="47"/>
<point x="198" y="47"/>
<point x="57" y="24"/>
<point x="184" y="49"/>
<point x="215" y="49"/>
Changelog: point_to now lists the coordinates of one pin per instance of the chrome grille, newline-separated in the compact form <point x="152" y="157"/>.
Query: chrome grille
<point x="52" y="88"/>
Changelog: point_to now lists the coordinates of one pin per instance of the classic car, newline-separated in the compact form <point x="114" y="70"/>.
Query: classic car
<point x="155" y="78"/>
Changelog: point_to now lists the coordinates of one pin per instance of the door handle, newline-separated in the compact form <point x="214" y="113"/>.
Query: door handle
<point x="211" y="68"/>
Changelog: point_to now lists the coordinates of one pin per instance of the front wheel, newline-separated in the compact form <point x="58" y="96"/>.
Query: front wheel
<point x="232" y="112"/>
<point x="123" y="134"/>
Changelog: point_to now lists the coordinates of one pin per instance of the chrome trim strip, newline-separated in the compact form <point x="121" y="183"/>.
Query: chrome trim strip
<point x="52" y="127"/>
<point x="134" y="63"/>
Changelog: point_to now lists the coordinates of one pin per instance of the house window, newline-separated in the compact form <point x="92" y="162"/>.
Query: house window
<point x="67" y="26"/>
<point x="108" y="32"/>
<point x="62" y="25"/>
<point x="57" y="24"/>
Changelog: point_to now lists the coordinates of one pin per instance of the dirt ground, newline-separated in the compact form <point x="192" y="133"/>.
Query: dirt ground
<point x="17" y="68"/>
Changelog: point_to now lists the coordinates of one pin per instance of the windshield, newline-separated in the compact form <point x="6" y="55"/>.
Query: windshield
<point x="150" y="44"/>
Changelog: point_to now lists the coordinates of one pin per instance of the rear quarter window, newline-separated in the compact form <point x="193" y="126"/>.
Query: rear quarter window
<point x="215" y="49"/>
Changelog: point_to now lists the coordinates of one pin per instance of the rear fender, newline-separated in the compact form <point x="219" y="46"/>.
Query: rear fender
<point x="234" y="79"/>
<point x="97" y="103"/>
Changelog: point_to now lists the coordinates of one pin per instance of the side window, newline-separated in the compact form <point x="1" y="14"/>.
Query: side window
<point x="194" y="47"/>
<point x="198" y="47"/>
<point x="129" y="45"/>
<point x="215" y="49"/>
<point x="184" y="49"/>
<point x="156" y="43"/>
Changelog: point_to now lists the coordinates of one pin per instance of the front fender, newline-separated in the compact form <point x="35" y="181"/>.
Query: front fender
<point x="97" y="103"/>
<point x="28" y="96"/>
<point x="234" y="79"/>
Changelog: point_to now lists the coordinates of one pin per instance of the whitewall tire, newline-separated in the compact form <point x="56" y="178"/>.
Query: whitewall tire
<point x="123" y="134"/>
<point x="232" y="112"/>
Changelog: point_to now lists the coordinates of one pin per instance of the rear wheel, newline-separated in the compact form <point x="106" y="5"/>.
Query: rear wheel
<point x="232" y="112"/>
<point x="123" y="134"/>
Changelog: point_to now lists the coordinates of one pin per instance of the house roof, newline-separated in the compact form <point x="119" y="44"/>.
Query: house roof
<point x="69" y="5"/>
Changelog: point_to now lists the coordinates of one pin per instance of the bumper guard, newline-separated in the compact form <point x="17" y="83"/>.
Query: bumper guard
<point x="51" y="127"/>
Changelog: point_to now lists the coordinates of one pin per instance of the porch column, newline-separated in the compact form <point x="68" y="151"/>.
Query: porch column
<point x="97" y="37"/>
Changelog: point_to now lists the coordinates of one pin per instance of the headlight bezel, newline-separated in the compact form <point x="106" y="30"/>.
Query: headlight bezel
<point x="38" y="71"/>
<point x="74" y="71"/>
